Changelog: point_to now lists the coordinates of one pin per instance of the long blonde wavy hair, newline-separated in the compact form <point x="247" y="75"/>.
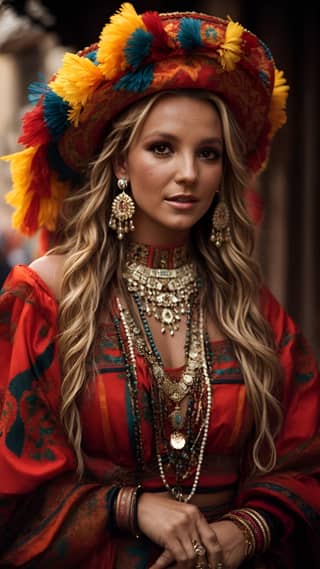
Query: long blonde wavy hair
<point x="93" y="270"/>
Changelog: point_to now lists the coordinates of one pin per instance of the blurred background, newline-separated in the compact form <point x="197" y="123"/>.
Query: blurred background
<point x="34" y="34"/>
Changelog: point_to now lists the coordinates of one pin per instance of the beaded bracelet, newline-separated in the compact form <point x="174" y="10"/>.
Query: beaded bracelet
<point x="125" y="509"/>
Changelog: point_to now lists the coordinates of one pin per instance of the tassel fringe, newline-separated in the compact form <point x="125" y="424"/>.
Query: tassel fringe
<point x="277" y="114"/>
<point x="230" y="50"/>
<point x="113" y="39"/>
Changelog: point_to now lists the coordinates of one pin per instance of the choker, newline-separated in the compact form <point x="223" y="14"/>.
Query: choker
<point x="165" y="293"/>
<point x="157" y="257"/>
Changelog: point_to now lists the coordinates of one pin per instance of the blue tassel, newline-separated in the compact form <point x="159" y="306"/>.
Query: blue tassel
<point x="263" y="76"/>
<point x="189" y="34"/>
<point x="138" y="47"/>
<point x="36" y="90"/>
<point x="56" y="163"/>
<point x="92" y="55"/>
<point x="267" y="50"/>
<point x="55" y="114"/>
<point x="137" y="81"/>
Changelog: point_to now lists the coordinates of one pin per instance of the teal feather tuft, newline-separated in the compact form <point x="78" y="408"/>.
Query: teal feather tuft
<point x="264" y="78"/>
<point x="136" y="81"/>
<point x="92" y="55"/>
<point x="36" y="90"/>
<point x="55" y="114"/>
<point x="189" y="34"/>
<point x="138" y="47"/>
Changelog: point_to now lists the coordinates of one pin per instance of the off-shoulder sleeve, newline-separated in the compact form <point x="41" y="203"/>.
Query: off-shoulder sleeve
<point x="291" y="492"/>
<point x="46" y="513"/>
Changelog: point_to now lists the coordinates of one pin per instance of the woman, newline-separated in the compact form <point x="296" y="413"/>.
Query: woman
<point x="159" y="407"/>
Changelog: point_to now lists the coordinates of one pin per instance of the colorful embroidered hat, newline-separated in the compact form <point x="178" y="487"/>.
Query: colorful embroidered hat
<point x="138" y="55"/>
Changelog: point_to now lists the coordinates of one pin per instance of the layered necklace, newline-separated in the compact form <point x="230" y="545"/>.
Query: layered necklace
<point x="181" y="405"/>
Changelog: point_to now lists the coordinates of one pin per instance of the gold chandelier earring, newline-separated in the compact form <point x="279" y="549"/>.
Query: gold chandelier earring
<point x="122" y="210"/>
<point x="220" y="233"/>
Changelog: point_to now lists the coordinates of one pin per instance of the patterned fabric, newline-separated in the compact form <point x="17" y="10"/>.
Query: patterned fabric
<point x="49" y="519"/>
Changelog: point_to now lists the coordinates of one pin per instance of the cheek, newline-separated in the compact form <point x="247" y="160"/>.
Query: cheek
<point x="209" y="194"/>
<point x="147" y="176"/>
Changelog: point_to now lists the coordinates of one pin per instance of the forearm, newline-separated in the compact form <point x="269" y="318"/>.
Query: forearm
<point x="71" y="519"/>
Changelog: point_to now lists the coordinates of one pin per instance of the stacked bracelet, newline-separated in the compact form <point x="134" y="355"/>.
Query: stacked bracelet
<point x="245" y="528"/>
<point x="261" y="522"/>
<point x="254" y="527"/>
<point x="126" y="509"/>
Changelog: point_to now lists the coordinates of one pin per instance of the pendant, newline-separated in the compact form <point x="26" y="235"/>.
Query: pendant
<point x="177" y="418"/>
<point x="177" y="493"/>
<point x="177" y="440"/>
<point x="167" y="316"/>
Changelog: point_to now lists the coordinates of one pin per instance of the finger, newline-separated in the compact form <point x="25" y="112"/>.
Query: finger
<point x="164" y="560"/>
<point x="177" y="553"/>
<point x="210" y="541"/>
<point x="185" y="556"/>
<point x="200" y="553"/>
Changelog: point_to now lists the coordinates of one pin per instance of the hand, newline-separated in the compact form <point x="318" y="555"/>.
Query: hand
<point x="232" y="542"/>
<point x="174" y="526"/>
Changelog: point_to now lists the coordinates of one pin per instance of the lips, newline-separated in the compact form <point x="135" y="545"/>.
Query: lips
<point x="182" y="198"/>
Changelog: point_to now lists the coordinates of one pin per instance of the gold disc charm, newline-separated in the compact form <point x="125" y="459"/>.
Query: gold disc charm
<point x="177" y="440"/>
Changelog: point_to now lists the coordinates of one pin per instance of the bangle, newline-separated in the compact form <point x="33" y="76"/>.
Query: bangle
<point x="111" y="500"/>
<point x="263" y="525"/>
<point x="134" y="526"/>
<point x="125" y="509"/>
<point x="257" y="527"/>
<point x="244" y="527"/>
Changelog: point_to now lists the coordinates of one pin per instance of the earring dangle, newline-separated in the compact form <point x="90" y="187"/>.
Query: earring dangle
<point x="220" y="225"/>
<point x="122" y="210"/>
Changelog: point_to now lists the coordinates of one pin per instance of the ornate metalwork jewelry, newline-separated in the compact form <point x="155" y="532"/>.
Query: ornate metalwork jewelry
<point x="165" y="293"/>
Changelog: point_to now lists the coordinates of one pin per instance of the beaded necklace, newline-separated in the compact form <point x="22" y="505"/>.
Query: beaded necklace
<point x="184" y="459"/>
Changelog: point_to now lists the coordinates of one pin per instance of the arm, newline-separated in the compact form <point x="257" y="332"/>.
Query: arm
<point x="46" y="513"/>
<point x="291" y="491"/>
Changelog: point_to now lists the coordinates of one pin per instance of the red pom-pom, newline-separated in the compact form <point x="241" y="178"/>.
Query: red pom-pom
<point x="161" y="41"/>
<point x="34" y="129"/>
<point x="41" y="173"/>
<point x="30" y="222"/>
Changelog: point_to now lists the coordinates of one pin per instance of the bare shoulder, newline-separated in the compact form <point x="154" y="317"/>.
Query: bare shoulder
<point x="50" y="270"/>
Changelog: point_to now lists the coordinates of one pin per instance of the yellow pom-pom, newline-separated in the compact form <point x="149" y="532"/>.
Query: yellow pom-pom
<point x="74" y="114"/>
<point x="19" y="197"/>
<point x="50" y="206"/>
<point x="277" y="114"/>
<point x="113" y="39"/>
<point x="76" y="81"/>
<point x="22" y="196"/>
<point x="230" y="50"/>
<point x="20" y="165"/>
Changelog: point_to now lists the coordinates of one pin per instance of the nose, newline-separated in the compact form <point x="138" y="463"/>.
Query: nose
<point x="187" y="169"/>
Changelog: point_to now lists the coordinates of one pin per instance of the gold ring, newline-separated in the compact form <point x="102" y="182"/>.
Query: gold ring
<point x="199" y="549"/>
<point x="219" y="565"/>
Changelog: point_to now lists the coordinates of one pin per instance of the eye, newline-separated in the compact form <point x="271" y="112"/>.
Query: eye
<point x="210" y="153"/>
<point x="160" y="148"/>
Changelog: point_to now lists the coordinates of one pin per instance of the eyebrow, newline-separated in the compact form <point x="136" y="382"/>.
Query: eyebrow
<point x="173" y="137"/>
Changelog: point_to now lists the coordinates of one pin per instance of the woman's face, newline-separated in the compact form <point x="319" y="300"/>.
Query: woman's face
<point x="174" y="167"/>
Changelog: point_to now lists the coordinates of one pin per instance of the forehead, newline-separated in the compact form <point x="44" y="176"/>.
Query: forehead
<point x="176" y="112"/>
